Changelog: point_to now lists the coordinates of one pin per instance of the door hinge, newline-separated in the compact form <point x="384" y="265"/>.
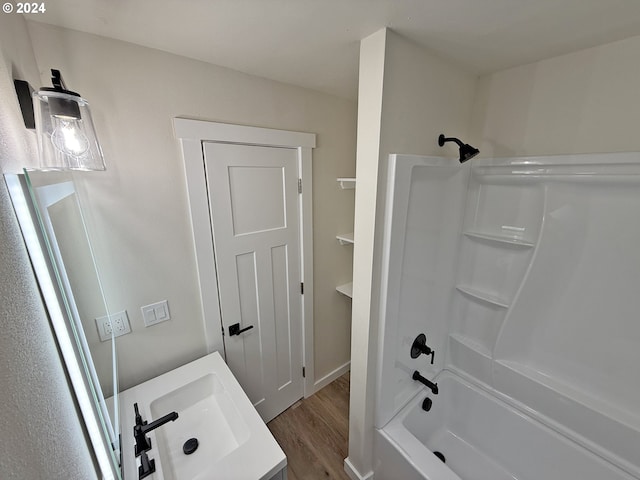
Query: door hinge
<point x="304" y="372"/>
<point x="301" y="288"/>
<point x="299" y="185"/>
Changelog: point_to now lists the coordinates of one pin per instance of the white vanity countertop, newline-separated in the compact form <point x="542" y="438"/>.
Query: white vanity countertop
<point x="234" y="441"/>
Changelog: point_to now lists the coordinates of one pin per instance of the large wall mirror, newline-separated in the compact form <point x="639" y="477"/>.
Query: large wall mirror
<point x="50" y="209"/>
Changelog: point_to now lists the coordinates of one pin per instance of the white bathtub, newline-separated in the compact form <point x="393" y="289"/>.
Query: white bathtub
<point x="482" y="438"/>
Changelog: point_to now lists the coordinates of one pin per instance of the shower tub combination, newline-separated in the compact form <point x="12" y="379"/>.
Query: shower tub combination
<point x="522" y="275"/>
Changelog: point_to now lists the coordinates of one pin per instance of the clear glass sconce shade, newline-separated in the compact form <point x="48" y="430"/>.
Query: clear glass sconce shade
<point x="66" y="136"/>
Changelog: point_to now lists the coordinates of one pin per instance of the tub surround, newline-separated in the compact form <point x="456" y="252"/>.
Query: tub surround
<point x="232" y="439"/>
<point x="482" y="446"/>
<point x="521" y="274"/>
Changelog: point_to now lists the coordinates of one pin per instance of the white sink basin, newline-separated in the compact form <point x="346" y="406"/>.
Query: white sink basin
<point x="207" y="413"/>
<point x="233" y="441"/>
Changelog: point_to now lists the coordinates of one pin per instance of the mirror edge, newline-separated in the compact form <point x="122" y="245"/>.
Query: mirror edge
<point x="109" y="465"/>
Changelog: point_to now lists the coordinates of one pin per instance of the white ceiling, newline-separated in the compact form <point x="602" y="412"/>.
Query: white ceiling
<point x="314" y="43"/>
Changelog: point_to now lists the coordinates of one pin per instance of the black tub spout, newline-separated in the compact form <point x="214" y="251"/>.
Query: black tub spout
<point x="432" y="386"/>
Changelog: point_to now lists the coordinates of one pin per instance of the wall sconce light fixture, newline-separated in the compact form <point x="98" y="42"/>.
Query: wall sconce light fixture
<point x="67" y="139"/>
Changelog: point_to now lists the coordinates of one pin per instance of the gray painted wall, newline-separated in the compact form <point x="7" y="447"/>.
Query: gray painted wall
<point x="42" y="436"/>
<point x="138" y="211"/>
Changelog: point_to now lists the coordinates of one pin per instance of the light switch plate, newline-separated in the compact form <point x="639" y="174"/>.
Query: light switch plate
<point x="155" y="313"/>
<point x="118" y="323"/>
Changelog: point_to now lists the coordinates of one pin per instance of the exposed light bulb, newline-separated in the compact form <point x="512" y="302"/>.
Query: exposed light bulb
<point x="69" y="138"/>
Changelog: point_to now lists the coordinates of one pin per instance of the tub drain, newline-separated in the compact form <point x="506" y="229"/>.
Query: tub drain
<point x="190" y="446"/>
<point x="440" y="456"/>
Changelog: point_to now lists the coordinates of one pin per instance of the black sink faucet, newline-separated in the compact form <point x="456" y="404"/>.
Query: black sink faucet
<point x="428" y="383"/>
<point x="141" y="429"/>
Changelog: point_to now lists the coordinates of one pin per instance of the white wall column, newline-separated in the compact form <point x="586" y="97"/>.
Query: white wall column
<point x="359" y="464"/>
<point x="407" y="97"/>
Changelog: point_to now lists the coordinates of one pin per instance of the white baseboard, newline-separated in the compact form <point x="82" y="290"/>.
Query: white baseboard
<point x="353" y="473"/>
<point x="331" y="376"/>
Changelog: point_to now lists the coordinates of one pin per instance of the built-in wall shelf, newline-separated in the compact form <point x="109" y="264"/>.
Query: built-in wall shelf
<point x="497" y="238"/>
<point x="345" y="238"/>
<point x="581" y="404"/>
<point x="346" y="289"/>
<point x="482" y="296"/>
<point x="472" y="345"/>
<point x="470" y="357"/>
<point x="347" y="183"/>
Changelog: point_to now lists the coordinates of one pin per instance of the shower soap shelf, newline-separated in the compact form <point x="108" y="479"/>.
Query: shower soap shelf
<point x="470" y="344"/>
<point x="577" y="398"/>
<point x="502" y="239"/>
<point x="483" y="296"/>
<point x="469" y="356"/>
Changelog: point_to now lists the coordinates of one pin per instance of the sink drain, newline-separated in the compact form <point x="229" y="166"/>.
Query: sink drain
<point x="190" y="446"/>
<point x="440" y="456"/>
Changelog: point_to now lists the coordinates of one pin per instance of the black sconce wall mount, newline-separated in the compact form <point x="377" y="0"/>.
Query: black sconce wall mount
<point x="24" y="92"/>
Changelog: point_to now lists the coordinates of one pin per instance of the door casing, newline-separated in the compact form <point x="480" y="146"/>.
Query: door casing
<point x="192" y="134"/>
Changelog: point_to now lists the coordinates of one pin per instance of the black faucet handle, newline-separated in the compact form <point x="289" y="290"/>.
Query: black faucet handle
<point x="420" y="347"/>
<point x="147" y="466"/>
<point x="143" y="443"/>
<point x="139" y="420"/>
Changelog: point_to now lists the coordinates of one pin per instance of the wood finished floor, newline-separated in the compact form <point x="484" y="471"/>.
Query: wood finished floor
<point x="314" y="433"/>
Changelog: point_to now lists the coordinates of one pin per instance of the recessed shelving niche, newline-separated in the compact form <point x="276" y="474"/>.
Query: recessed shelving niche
<point x="346" y="183"/>
<point x="499" y="233"/>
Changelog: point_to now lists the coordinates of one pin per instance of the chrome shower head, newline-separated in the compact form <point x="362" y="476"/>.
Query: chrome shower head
<point x="467" y="152"/>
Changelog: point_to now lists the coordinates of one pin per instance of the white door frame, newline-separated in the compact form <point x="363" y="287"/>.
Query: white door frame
<point x="192" y="133"/>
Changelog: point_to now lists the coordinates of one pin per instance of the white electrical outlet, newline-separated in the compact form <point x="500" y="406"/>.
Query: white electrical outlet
<point x="107" y="326"/>
<point x="155" y="313"/>
<point x="120" y="323"/>
<point x="116" y="324"/>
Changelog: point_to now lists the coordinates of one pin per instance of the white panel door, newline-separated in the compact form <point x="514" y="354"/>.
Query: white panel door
<point x="253" y="195"/>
